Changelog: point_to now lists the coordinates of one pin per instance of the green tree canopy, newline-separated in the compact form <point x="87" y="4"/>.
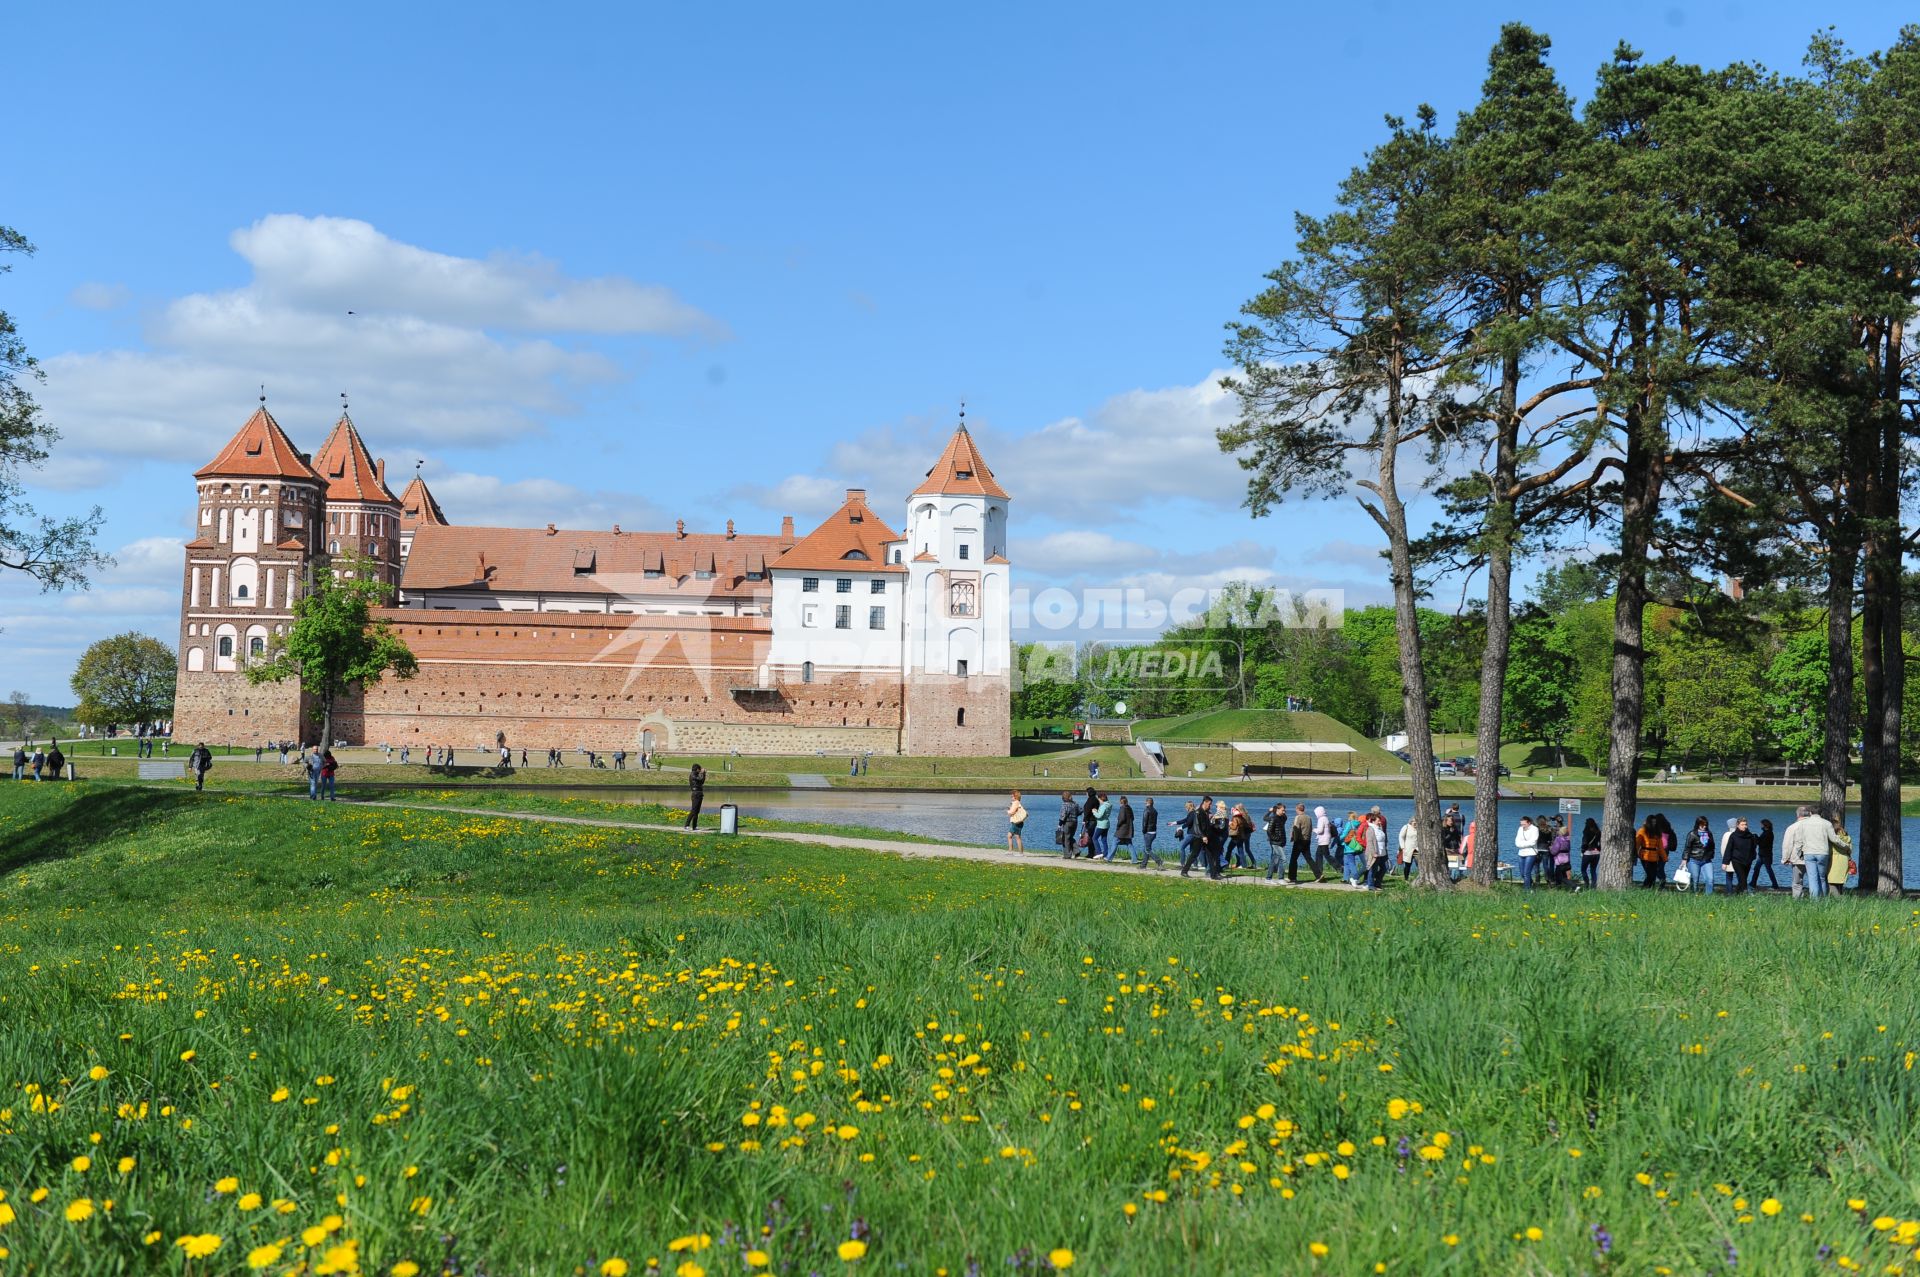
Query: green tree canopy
<point x="125" y="681"/>
<point x="335" y="645"/>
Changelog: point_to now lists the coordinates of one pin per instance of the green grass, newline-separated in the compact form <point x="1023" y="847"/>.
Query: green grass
<point x="1218" y="727"/>
<point x="511" y="1047"/>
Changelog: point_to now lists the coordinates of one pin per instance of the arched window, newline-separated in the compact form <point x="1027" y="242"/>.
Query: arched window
<point x="226" y="645"/>
<point x="256" y="646"/>
<point x="239" y="591"/>
<point x="960" y="717"/>
<point x="962" y="597"/>
<point x="806" y="671"/>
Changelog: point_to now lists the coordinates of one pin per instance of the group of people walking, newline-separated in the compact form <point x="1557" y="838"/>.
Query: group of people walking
<point x="1217" y="837"/>
<point x="39" y="764"/>
<point x="1816" y="851"/>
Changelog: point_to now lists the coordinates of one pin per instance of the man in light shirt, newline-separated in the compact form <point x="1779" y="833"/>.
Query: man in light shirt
<point x="1808" y="847"/>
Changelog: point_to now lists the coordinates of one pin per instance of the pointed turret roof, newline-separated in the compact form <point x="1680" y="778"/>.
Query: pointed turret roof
<point x="348" y="468"/>
<point x="261" y="450"/>
<point x="417" y="506"/>
<point x="961" y="472"/>
<point x="853" y="537"/>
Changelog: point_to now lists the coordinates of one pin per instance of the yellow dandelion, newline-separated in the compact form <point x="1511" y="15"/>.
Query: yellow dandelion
<point x="1396" y="1109"/>
<point x="1535" y="1234"/>
<point x="98" y="1072"/>
<point x="406" y="1268"/>
<point x="691" y="1242"/>
<point x="847" y="1132"/>
<point x="264" y="1257"/>
<point x="852" y="1250"/>
<point x="124" y="1165"/>
<point x="187" y="1054"/>
<point x="279" y="1096"/>
<point x="81" y="1164"/>
<point x="226" y="1184"/>
<point x="79" y="1210"/>
<point x="198" y="1245"/>
<point x="758" y="1259"/>
<point x="1060" y="1257"/>
<point x="688" y="1268"/>
<point x="1317" y="1249"/>
<point x="249" y="1201"/>
<point x="614" y="1267"/>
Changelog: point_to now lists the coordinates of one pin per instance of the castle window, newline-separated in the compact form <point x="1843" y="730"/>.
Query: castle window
<point x="843" y="617"/>
<point x="964" y="551"/>
<point x="240" y="592"/>
<point x="857" y="554"/>
<point x="810" y="585"/>
<point x="333" y="547"/>
<point x="960" y="667"/>
<point x="256" y="646"/>
<point x="960" y="717"/>
<point x="226" y="645"/>
<point x="877" y="586"/>
<point x="961" y="598"/>
<point x="843" y="586"/>
<point x="806" y="671"/>
<point x="876" y="618"/>
<point x="896" y="555"/>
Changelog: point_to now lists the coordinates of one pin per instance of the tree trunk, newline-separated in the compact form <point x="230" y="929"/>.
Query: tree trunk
<point x="1882" y="866"/>
<point x="326" y="723"/>
<point x="1499" y="642"/>
<point x="1413" y="674"/>
<point x="1640" y="482"/>
<point x="1873" y="766"/>
<point x="1836" y="727"/>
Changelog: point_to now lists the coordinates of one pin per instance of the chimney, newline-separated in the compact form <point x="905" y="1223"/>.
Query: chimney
<point x="729" y="529"/>
<point x="786" y="527"/>
<point x="616" y="529"/>
<point x="552" y="531"/>
<point x="380" y="471"/>
<point x="680" y="529"/>
<point x="856" y="494"/>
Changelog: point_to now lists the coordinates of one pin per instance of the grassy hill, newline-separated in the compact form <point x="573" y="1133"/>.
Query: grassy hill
<point x="1217" y="727"/>
<point x="365" y="1040"/>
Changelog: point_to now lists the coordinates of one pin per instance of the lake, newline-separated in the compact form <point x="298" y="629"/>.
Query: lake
<point x="981" y="818"/>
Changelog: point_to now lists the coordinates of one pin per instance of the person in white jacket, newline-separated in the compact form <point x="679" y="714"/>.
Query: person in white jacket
<point x="1526" y="844"/>
<point x="1409" y="848"/>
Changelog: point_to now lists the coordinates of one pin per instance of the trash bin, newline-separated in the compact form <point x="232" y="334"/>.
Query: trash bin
<point x="729" y="818"/>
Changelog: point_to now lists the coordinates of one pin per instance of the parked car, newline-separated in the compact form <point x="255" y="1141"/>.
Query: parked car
<point x="1403" y="755"/>
<point x="1445" y="769"/>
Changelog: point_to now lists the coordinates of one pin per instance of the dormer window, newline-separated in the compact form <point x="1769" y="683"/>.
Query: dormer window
<point x="856" y="517"/>
<point x="857" y="554"/>
<point x="963" y="474"/>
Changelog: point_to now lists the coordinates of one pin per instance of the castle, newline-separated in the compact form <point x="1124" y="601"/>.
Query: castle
<point x="851" y="638"/>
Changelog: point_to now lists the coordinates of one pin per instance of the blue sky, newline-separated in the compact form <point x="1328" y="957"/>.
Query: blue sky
<point x="631" y="264"/>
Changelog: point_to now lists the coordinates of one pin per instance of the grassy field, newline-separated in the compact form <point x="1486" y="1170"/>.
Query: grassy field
<point x="355" y="1040"/>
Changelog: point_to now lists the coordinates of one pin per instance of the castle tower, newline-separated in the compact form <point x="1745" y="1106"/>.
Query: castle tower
<point x="259" y="502"/>
<point x="362" y="516"/>
<point x="417" y="509"/>
<point x="959" y="629"/>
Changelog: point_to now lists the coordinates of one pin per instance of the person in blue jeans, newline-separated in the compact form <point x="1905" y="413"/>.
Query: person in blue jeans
<point x="1149" y="826"/>
<point x="1526" y="848"/>
<point x="1699" y="853"/>
<point x="1102" y="843"/>
<point x="313" y="775"/>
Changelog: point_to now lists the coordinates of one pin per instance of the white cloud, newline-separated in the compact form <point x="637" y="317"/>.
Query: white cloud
<point x="342" y="263"/>
<point x="97" y="296"/>
<point x="1350" y="554"/>
<point x="447" y="350"/>
<point x="489" y="501"/>
<point x="1133" y="451"/>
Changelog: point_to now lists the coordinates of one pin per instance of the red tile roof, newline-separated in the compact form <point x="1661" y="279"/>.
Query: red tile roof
<point x="417" y="506"/>
<point x="960" y="471"/>
<point x="261" y="450"/>
<point x="535" y="561"/>
<point x="348" y="468"/>
<point x="853" y="537"/>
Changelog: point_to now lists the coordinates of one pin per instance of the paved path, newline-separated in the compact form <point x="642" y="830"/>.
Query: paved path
<point x="917" y="850"/>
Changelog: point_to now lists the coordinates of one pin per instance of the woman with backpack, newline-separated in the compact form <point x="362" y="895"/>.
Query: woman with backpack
<point x="1561" y="849"/>
<point x="1650" y="848"/>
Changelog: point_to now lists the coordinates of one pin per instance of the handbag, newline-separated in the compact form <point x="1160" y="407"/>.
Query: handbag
<point x="1682" y="878"/>
<point x="1082" y="842"/>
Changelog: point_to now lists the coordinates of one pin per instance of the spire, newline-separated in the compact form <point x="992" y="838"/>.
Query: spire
<point x="418" y="507"/>
<point x="261" y="450"/>
<point x="960" y="470"/>
<point x="347" y="467"/>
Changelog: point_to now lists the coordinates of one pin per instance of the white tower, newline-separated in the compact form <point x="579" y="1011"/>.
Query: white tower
<point x="959" y="629"/>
